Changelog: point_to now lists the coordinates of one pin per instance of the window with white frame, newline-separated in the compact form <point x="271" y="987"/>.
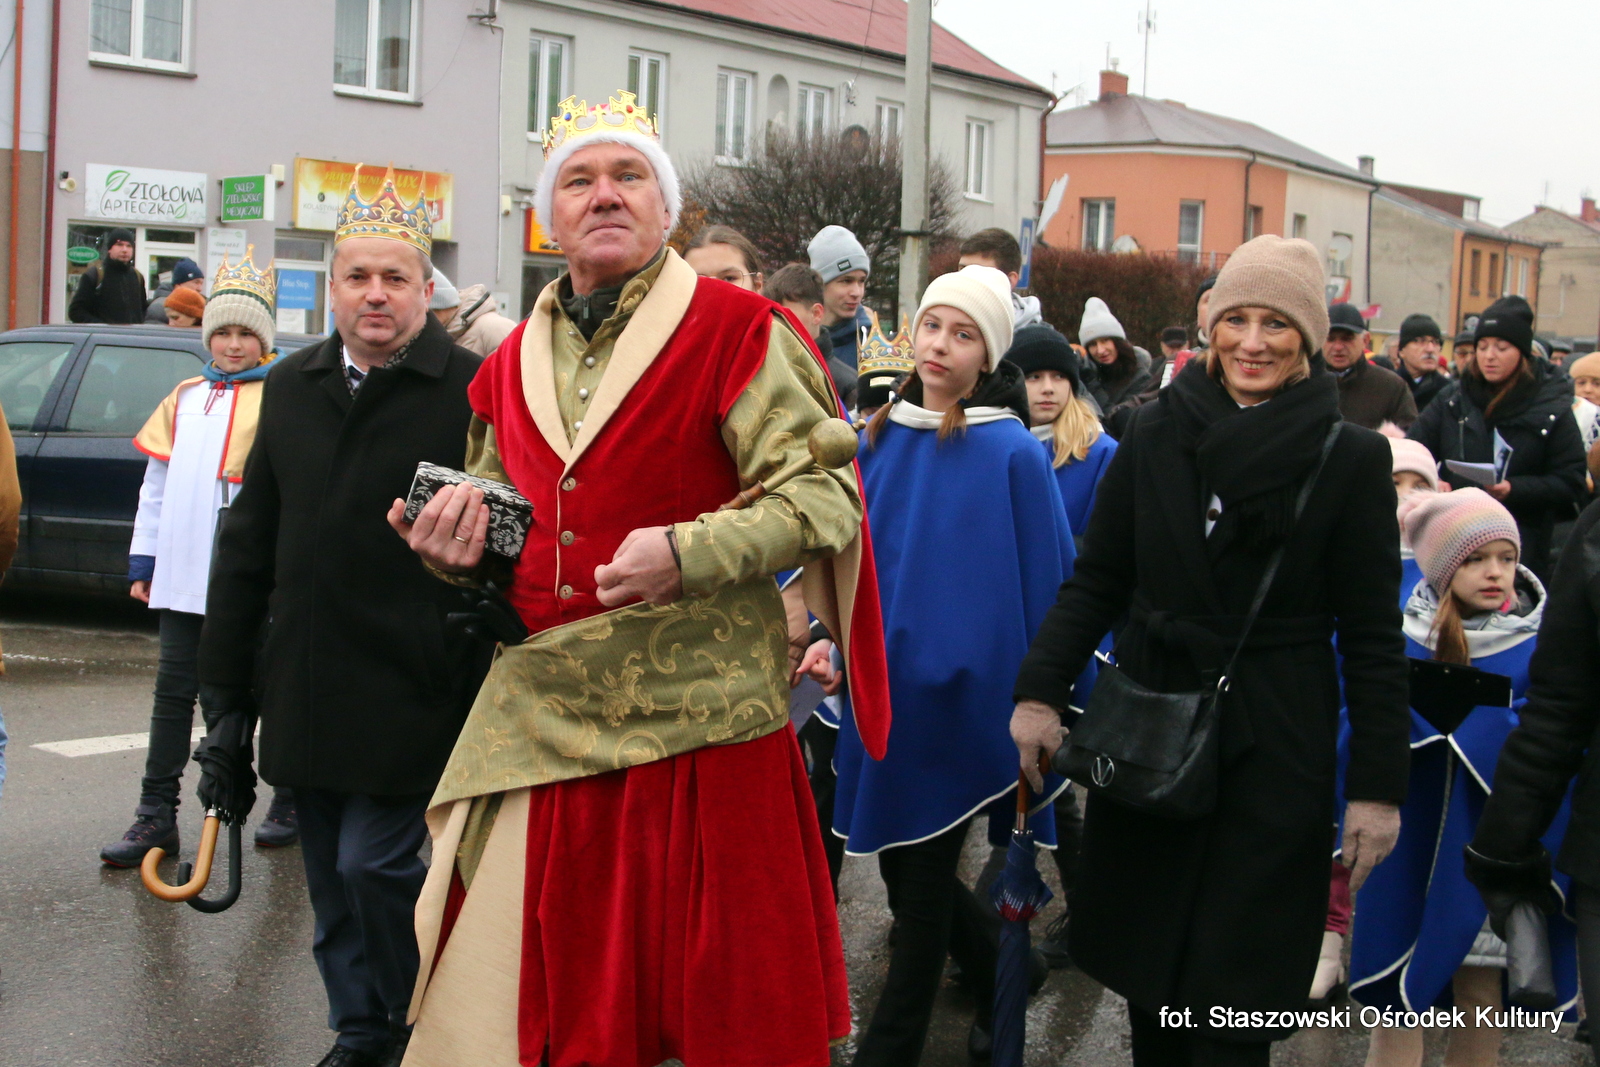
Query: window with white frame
<point x="979" y="136"/>
<point x="143" y="33"/>
<point x="1522" y="275"/>
<point x="547" y="79"/>
<point x="1299" y="229"/>
<point x="373" y="49"/>
<point x="1099" y="224"/>
<point x="812" y="112"/>
<point x="733" y="116"/>
<point x="647" y="80"/>
<point x="891" y="117"/>
<point x="1191" y="223"/>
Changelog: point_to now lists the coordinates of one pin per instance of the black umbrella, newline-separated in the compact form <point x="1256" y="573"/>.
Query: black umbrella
<point x="1019" y="894"/>
<point x="228" y="789"/>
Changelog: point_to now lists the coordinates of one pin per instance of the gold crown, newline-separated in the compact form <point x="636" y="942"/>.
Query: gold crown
<point x="575" y="119"/>
<point x="886" y="356"/>
<point x="245" y="278"/>
<point x="385" y="215"/>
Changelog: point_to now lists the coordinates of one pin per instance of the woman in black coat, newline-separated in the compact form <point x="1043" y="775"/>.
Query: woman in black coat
<point x="1226" y="911"/>
<point x="1528" y="404"/>
<point x="1557" y="740"/>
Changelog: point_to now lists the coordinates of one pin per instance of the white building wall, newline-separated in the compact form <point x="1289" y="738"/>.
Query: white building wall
<point x="1331" y="205"/>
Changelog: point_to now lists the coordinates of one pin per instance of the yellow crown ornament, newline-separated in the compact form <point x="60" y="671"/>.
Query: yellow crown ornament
<point x="385" y="215"/>
<point x="575" y="119"/>
<point x="245" y="278"/>
<point x="883" y="360"/>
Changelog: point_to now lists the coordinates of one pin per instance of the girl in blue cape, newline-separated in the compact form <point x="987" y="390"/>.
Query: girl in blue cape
<point x="1421" y="938"/>
<point x="972" y="544"/>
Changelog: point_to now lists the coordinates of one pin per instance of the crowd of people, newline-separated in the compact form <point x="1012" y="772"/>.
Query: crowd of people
<point x="1219" y="575"/>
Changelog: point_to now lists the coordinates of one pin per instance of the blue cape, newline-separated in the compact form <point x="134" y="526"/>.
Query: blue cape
<point x="972" y="545"/>
<point x="1080" y="478"/>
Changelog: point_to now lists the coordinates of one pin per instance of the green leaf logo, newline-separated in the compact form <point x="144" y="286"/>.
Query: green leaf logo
<point x="114" y="181"/>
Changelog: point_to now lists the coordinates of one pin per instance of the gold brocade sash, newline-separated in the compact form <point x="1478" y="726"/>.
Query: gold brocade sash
<point x="636" y="684"/>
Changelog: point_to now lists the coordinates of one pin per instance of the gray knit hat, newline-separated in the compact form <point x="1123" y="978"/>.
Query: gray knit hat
<point x="835" y="251"/>
<point x="1098" y="322"/>
<point x="1281" y="273"/>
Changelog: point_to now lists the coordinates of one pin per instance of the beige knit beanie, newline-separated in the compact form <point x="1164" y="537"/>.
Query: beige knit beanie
<point x="234" y="308"/>
<point x="982" y="293"/>
<point x="1281" y="273"/>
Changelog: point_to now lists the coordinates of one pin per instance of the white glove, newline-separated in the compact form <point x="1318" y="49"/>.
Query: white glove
<point x="1036" y="728"/>
<point x="1371" y="828"/>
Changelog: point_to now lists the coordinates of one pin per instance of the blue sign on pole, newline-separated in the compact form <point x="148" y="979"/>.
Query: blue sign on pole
<point x="1025" y="239"/>
<point x="297" y="289"/>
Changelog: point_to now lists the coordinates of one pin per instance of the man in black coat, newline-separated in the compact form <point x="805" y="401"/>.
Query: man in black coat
<point x="111" y="291"/>
<point x="362" y="688"/>
<point x="1421" y="341"/>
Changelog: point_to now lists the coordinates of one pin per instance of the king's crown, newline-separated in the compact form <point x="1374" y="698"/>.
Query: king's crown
<point x="882" y="356"/>
<point x="245" y="278"/>
<point x="385" y="215"/>
<point x="574" y="118"/>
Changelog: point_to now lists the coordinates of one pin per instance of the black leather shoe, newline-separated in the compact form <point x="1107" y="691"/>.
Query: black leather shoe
<point x="397" y="1049"/>
<point x="341" y="1056"/>
<point x="281" y="826"/>
<point x="150" y="829"/>
<point x="1054" y="946"/>
<point x="980" y="1043"/>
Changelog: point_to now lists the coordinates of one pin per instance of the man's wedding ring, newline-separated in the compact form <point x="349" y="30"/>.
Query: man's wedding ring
<point x="463" y="540"/>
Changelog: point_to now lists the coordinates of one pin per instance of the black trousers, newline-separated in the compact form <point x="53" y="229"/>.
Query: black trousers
<point x="1586" y="905"/>
<point x="172" y="714"/>
<point x="1069" y="837"/>
<point x="932" y="910"/>
<point x="364" y="877"/>
<point x="817" y="742"/>
<point x="1157" y="1046"/>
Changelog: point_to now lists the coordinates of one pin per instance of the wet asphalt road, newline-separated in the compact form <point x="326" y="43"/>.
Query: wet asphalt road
<point x="94" y="971"/>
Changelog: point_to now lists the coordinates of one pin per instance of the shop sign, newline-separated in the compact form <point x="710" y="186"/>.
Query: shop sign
<point x="82" y="254"/>
<point x="248" y="199"/>
<point x="297" y="289"/>
<point x="534" y="239"/>
<point x="321" y="185"/>
<point x="140" y="194"/>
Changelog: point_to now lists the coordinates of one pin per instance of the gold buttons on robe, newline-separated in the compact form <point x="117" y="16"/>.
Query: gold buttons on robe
<point x="583" y="394"/>
<point x="566" y="537"/>
<point x="570" y="484"/>
<point x="588" y="361"/>
<point x="565" y="592"/>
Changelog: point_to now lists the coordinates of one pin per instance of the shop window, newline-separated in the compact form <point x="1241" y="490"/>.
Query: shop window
<point x="891" y="117"/>
<point x="140" y="33"/>
<point x="27" y="368"/>
<point x="1191" y="220"/>
<point x="547" y="79"/>
<point x="813" y="112"/>
<point x="372" y="47"/>
<point x="980" y="135"/>
<point x="122" y="385"/>
<point x="1099" y="224"/>
<point x="306" y="248"/>
<point x="647" y="81"/>
<point x="733" y="118"/>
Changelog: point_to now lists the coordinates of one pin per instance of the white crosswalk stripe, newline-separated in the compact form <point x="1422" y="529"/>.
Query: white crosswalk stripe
<point x="99" y="746"/>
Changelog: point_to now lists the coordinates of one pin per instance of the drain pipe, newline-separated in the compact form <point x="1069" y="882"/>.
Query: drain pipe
<point x="13" y="225"/>
<point x="50" y="175"/>
<point x="1245" y="229"/>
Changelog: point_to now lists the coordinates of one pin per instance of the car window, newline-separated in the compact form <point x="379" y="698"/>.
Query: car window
<point x="26" y="370"/>
<point x="122" y="385"/>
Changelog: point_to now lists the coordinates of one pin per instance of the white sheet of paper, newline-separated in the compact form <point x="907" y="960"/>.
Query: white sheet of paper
<point x="803" y="700"/>
<point x="1476" y="473"/>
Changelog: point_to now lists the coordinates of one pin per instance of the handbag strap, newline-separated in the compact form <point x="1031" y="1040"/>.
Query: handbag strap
<point x="1277" y="555"/>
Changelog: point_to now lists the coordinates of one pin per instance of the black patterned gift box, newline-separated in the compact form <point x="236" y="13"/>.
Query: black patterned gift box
<point x="510" y="513"/>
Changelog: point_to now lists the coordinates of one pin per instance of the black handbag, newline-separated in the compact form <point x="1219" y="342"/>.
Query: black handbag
<point x="1160" y="752"/>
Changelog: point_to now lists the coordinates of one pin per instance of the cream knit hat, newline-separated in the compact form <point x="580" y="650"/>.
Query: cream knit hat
<point x="981" y="292"/>
<point x="1281" y="273"/>
<point x="233" y="308"/>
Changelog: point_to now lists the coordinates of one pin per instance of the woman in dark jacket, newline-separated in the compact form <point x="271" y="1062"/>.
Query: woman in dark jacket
<point x="1506" y="393"/>
<point x="1226" y="911"/>
<point x="1556" y="740"/>
<point x="1117" y="377"/>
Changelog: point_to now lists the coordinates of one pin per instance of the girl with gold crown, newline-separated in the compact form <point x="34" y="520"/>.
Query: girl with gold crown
<point x="197" y="441"/>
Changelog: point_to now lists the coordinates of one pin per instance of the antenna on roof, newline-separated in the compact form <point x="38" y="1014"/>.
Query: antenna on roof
<point x="1147" y="27"/>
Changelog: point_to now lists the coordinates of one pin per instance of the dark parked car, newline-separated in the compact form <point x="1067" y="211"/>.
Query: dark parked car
<point x="74" y="396"/>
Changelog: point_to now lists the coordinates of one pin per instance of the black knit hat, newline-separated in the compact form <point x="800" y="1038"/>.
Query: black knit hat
<point x="116" y="234"/>
<point x="1036" y="348"/>
<point x="1346" y="317"/>
<point x="1205" y="287"/>
<point x="1417" y="327"/>
<point x="1510" y="319"/>
<point x="1465" y="337"/>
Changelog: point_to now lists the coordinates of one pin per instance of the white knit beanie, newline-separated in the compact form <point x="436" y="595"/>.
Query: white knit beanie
<point x="666" y="174"/>
<point x="1098" y="322"/>
<point x="984" y="294"/>
<point x="230" y="307"/>
<point x="835" y="251"/>
<point x="445" y="295"/>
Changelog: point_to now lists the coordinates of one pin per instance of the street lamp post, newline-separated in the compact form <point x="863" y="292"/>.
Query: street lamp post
<point x="914" y="155"/>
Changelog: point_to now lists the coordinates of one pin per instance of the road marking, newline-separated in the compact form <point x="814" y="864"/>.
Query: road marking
<point x="99" y="746"/>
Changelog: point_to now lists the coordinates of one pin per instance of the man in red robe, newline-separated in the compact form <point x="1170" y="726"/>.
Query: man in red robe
<point x="627" y="865"/>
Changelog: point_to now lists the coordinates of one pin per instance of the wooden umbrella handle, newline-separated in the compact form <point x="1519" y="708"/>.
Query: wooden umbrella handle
<point x="1024" y="797"/>
<point x="151" y="877"/>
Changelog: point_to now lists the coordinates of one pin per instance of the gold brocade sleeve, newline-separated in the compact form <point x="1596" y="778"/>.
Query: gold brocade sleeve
<point x="812" y="516"/>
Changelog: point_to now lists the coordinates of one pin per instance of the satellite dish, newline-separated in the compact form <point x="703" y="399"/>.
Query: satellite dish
<point x="1052" y="201"/>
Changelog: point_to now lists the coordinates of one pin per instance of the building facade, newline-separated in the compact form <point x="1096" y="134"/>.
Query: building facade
<point x="24" y="130"/>
<point x="1569" y="286"/>
<point x="1160" y="177"/>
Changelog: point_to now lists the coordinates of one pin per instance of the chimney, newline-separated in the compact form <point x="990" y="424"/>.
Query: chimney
<point x="1364" y="165"/>
<point x="1112" y="84"/>
<point x="1589" y="214"/>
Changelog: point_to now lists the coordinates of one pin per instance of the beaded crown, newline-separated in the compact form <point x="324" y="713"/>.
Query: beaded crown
<point x="574" y="119"/>
<point x="385" y="215"/>
<point x="881" y="356"/>
<point x="245" y="278"/>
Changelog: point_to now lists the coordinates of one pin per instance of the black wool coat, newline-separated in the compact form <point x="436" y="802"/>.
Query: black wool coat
<point x="361" y="689"/>
<point x="1558" y="735"/>
<point x="1547" y="469"/>
<point x="1228" y="909"/>
<point x="1426" y="389"/>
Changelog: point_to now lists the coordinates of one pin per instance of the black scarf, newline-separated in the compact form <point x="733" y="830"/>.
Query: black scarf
<point x="1254" y="459"/>
<point x="1516" y="401"/>
<point x="1005" y="388"/>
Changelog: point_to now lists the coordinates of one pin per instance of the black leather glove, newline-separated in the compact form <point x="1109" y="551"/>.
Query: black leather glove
<point x="227" y="753"/>
<point x="488" y="612"/>
<point x="1505" y="883"/>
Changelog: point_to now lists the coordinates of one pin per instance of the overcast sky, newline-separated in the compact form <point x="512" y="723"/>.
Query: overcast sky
<point x="1490" y="98"/>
